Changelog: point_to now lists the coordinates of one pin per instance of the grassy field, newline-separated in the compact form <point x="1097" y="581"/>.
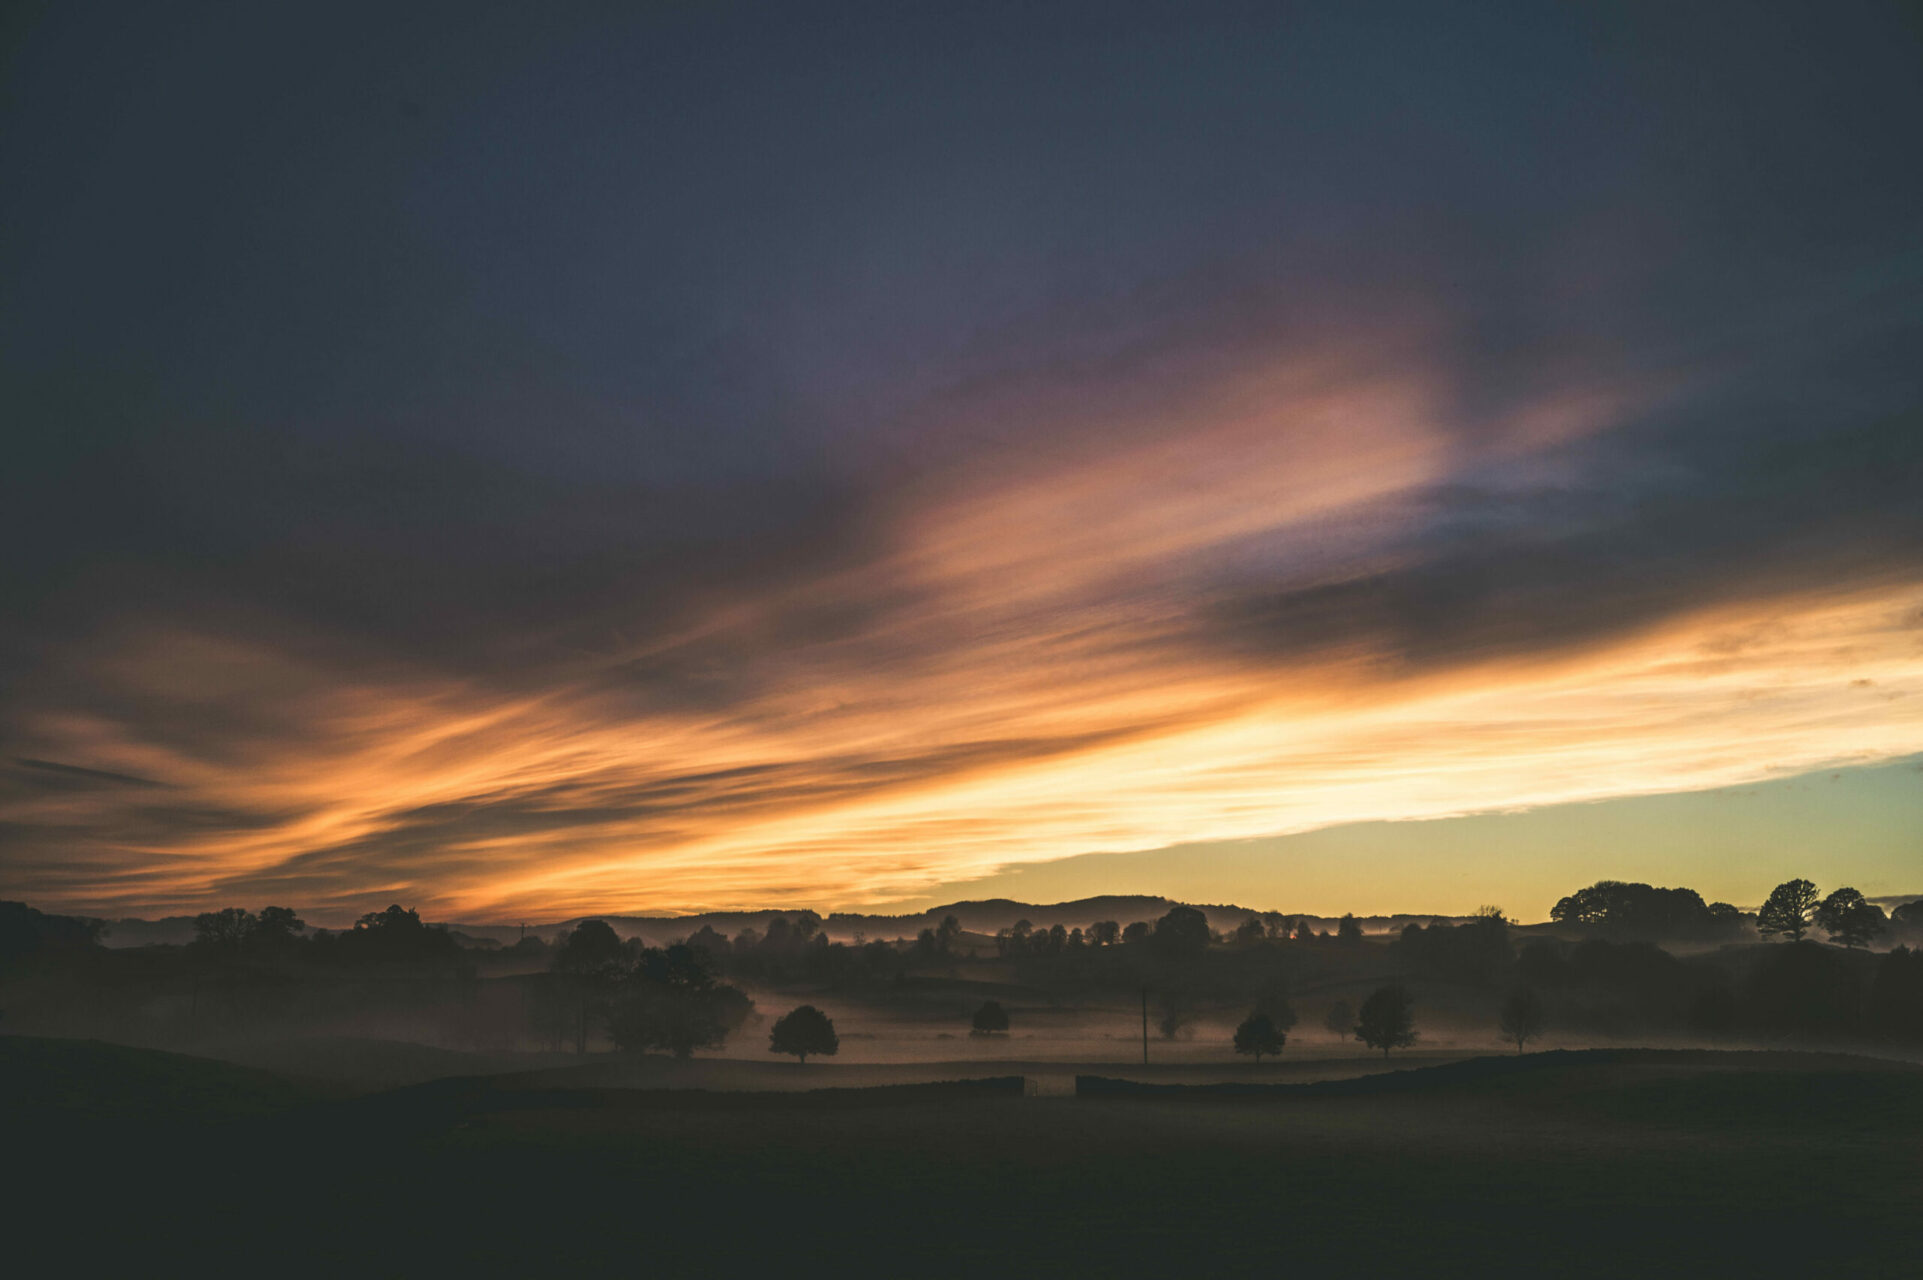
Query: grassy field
<point x="1588" y="1164"/>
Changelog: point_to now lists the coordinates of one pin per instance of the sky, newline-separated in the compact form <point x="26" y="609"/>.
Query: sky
<point x="523" y="460"/>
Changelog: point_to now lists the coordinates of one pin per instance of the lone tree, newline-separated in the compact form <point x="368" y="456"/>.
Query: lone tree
<point x="1348" y="930"/>
<point x="1788" y="910"/>
<point x="990" y="1018"/>
<point x="803" y="1031"/>
<point x="1387" y="1020"/>
<point x="1258" y="1035"/>
<point x="1521" y="1018"/>
<point x="1850" y="918"/>
<point x="1340" y="1019"/>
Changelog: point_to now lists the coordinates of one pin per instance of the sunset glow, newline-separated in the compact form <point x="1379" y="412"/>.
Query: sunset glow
<point x="541" y="485"/>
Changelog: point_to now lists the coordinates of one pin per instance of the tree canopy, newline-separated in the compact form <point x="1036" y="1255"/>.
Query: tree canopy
<point x="991" y="1017"/>
<point x="1634" y="910"/>
<point x="1522" y="1017"/>
<point x="1850" y="918"/>
<point x="669" y="1000"/>
<point x="1788" y="910"/>
<point x="1182" y="934"/>
<point x="802" y="1031"/>
<point x="1387" y="1020"/>
<point x="1258" y="1035"/>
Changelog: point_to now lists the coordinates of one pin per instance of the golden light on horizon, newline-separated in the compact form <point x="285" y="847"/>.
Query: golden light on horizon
<point x="1026" y="690"/>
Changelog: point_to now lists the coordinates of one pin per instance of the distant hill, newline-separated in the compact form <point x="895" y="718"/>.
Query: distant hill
<point x="985" y="916"/>
<point x="169" y="931"/>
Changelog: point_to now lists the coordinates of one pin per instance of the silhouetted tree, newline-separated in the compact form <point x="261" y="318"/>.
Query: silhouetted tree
<point x="1182" y="934"/>
<point x="1387" y="1020"/>
<point x="1250" y="933"/>
<point x="802" y="1031"/>
<point x="396" y="934"/>
<point x="1908" y="919"/>
<point x="1521" y="1018"/>
<point x="1137" y="933"/>
<point x="1849" y="918"/>
<point x="1258" y="1035"/>
<point x="991" y="1017"/>
<point x="670" y="1000"/>
<point x="1348" y="930"/>
<point x="1476" y="951"/>
<point x="1633" y="910"/>
<point x="1787" y="910"/>
<point x="715" y="944"/>
<point x="277" y="927"/>
<point x="225" y="931"/>
<point x="1104" y="933"/>
<point x="1340" y="1019"/>
<point x="1304" y="932"/>
<point x="1726" y="921"/>
<point x="590" y="960"/>
<point x="1178" y="1010"/>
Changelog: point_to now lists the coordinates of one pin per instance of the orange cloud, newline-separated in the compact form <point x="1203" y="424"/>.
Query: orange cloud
<point x="1017" y="674"/>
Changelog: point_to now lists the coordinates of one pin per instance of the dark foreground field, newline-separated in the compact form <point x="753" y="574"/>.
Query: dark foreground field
<point x="1619" y="1163"/>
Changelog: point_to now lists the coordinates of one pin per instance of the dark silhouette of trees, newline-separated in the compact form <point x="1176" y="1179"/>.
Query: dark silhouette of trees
<point x="26" y="931"/>
<point x="1250" y="933"/>
<point x="1304" y="932"/>
<point x="1805" y="988"/>
<point x="1623" y="909"/>
<point x="1178" y="1010"/>
<point x="1340" y="1019"/>
<point x="1182" y="934"/>
<point x="1348" y="930"/>
<point x="1907" y="919"/>
<point x="589" y="962"/>
<point x="229" y="933"/>
<point x="1477" y="951"/>
<point x="1104" y="933"/>
<point x="1616" y="987"/>
<point x="590" y="948"/>
<point x="1259" y="1035"/>
<point x="1387" y="1020"/>
<point x="396" y="934"/>
<point x="1896" y="996"/>
<point x="670" y="1001"/>
<point x="1849" y="918"/>
<point x="802" y="1031"/>
<point x="990" y="1018"/>
<point x="1274" y="1002"/>
<point x="709" y="940"/>
<point x="1788" y="910"/>
<point x="1137" y="933"/>
<point x="277" y="927"/>
<point x="1522" y="1017"/>
<point x="224" y="932"/>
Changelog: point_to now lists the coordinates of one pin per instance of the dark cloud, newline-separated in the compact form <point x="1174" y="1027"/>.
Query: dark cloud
<point x="73" y="775"/>
<point x="615" y="357"/>
<point x="1492" y="573"/>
